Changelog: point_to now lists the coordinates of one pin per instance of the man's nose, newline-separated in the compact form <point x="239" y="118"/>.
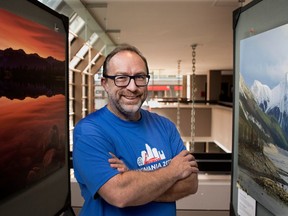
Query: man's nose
<point x="132" y="85"/>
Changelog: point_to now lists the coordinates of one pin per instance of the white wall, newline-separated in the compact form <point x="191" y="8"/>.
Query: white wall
<point x="221" y="127"/>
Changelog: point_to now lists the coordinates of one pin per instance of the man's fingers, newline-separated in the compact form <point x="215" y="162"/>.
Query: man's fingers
<point x="112" y="155"/>
<point x="113" y="160"/>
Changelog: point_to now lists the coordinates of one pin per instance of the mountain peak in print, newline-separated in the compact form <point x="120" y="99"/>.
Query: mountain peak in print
<point x="10" y="58"/>
<point x="274" y="102"/>
<point x="29" y="75"/>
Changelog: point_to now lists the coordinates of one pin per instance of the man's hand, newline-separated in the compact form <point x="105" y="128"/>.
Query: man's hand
<point x="184" y="164"/>
<point x="188" y="185"/>
<point x="117" y="163"/>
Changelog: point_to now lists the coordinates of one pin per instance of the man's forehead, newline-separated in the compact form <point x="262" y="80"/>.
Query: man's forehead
<point x="126" y="55"/>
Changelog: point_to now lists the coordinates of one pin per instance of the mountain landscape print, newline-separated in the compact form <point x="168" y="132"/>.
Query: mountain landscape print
<point x="32" y="103"/>
<point x="263" y="119"/>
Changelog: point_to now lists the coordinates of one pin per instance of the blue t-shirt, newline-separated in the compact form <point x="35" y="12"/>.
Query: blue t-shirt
<point x="147" y="144"/>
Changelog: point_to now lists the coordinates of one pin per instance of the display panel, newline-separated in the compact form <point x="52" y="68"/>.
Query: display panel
<point x="260" y="151"/>
<point x="263" y="119"/>
<point x="34" y="173"/>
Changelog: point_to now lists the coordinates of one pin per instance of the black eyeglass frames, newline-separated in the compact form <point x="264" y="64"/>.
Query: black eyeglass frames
<point x="124" y="80"/>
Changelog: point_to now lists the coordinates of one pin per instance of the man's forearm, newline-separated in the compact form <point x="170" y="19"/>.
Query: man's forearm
<point x="134" y="188"/>
<point x="180" y="189"/>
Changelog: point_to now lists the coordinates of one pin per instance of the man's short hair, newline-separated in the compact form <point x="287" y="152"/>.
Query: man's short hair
<point x="120" y="48"/>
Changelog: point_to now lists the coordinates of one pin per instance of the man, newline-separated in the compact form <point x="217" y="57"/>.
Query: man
<point x="127" y="160"/>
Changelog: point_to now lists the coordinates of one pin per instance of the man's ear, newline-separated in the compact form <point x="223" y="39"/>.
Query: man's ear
<point x="104" y="83"/>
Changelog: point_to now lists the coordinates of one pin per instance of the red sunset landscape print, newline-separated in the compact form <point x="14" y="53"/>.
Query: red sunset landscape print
<point x="32" y="102"/>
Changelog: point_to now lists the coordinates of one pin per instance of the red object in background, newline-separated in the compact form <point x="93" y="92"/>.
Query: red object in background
<point x="158" y="88"/>
<point x="163" y="88"/>
<point x="178" y="88"/>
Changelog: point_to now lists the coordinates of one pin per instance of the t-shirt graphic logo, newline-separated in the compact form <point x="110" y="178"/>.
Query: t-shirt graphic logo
<point x="150" y="155"/>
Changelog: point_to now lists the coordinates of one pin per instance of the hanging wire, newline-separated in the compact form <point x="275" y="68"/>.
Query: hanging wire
<point x="193" y="98"/>
<point x="178" y="102"/>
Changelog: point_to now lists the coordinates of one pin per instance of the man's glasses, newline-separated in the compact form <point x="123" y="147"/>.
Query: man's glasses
<point x="124" y="80"/>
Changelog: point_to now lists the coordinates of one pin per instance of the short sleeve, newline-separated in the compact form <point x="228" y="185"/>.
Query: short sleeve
<point x="90" y="157"/>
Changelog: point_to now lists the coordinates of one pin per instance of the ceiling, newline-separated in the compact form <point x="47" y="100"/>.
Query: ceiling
<point x="164" y="31"/>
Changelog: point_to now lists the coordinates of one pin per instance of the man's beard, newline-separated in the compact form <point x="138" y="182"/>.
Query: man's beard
<point x="128" y="110"/>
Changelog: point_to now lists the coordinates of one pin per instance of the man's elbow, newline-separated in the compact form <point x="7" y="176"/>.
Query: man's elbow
<point x="194" y="187"/>
<point x="119" y="203"/>
<point x="117" y="200"/>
